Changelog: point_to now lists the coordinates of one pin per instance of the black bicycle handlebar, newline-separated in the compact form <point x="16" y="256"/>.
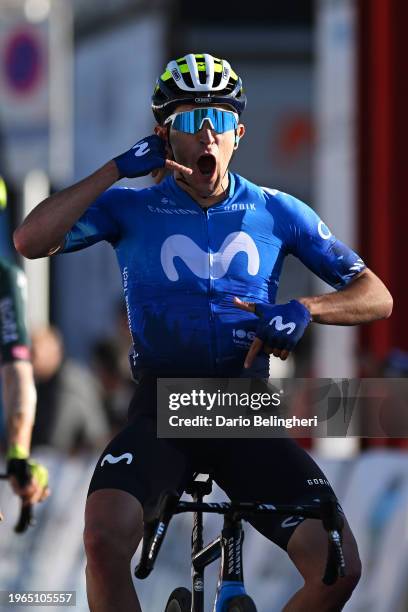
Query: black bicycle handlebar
<point x="26" y="514"/>
<point x="157" y="522"/>
<point x="249" y="508"/>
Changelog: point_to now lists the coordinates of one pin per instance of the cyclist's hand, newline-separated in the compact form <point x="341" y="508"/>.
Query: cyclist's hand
<point x="28" y="479"/>
<point x="144" y="157"/>
<point x="280" y="328"/>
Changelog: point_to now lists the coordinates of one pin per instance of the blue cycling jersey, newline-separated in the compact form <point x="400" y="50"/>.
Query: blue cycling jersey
<point x="182" y="265"/>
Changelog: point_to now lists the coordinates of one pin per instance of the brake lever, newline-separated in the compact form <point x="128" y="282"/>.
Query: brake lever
<point x="26" y="518"/>
<point x="154" y="532"/>
<point x="336" y="542"/>
<point x="335" y="565"/>
<point x="333" y="522"/>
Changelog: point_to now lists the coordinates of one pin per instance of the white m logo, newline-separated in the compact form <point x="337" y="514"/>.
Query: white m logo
<point x="280" y="326"/>
<point x="141" y="148"/>
<point x="111" y="459"/>
<point x="204" y="264"/>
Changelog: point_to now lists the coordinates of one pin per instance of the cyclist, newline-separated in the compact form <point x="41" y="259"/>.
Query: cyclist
<point x="28" y="479"/>
<point x="187" y="247"/>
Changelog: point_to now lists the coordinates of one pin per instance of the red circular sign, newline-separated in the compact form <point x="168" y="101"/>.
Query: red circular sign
<point x="23" y="62"/>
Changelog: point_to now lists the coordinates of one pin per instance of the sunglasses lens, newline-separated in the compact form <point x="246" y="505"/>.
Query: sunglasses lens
<point x="193" y="121"/>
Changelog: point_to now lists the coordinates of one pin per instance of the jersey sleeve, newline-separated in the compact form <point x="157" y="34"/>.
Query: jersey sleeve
<point x="98" y="223"/>
<point x="309" y="239"/>
<point x="14" y="341"/>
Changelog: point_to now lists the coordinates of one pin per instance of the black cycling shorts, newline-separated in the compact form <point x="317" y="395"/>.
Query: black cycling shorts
<point x="274" y="470"/>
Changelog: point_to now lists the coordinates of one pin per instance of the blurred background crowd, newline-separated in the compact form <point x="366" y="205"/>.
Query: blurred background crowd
<point x="326" y="121"/>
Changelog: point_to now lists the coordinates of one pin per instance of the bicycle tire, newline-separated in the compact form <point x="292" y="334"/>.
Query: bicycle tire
<point x="242" y="603"/>
<point x="179" y="601"/>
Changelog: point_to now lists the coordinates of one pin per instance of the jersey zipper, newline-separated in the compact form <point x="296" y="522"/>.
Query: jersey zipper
<point x="213" y="337"/>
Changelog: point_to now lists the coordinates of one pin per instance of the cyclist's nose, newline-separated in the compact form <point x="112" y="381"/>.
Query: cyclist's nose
<point x="206" y="134"/>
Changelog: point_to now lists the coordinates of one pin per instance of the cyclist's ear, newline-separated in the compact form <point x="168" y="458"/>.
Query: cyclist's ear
<point x="159" y="174"/>
<point x="240" y="130"/>
<point x="161" y="130"/>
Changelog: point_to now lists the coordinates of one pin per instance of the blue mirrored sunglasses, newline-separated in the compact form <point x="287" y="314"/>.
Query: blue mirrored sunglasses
<point x="192" y="121"/>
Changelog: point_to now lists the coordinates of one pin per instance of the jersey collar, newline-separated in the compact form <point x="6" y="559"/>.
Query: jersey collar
<point x="185" y="199"/>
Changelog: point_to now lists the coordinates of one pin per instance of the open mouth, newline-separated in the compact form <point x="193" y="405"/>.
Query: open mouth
<point x="206" y="164"/>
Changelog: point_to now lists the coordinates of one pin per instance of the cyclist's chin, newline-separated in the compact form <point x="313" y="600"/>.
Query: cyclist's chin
<point x="207" y="184"/>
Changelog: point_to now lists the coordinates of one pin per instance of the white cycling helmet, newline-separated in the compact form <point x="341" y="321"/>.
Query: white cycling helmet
<point x="197" y="78"/>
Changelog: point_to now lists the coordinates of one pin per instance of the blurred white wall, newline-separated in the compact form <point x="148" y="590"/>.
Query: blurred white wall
<point x="114" y="79"/>
<point x="335" y="180"/>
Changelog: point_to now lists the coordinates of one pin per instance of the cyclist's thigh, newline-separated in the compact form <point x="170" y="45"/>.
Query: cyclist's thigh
<point x="112" y="518"/>
<point x="270" y="470"/>
<point x="139" y="463"/>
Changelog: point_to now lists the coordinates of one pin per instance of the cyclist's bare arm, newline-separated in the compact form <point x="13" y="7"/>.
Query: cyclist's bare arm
<point x="363" y="300"/>
<point x="19" y="400"/>
<point x="43" y="230"/>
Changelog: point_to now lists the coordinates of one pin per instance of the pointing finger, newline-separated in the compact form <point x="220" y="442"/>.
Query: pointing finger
<point x="158" y="175"/>
<point x="254" y="349"/>
<point x="172" y="165"/>
<point x="248" y="306"/>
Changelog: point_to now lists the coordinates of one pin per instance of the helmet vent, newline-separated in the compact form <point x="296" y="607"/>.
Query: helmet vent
<point x="202" y="75"/>
<point x="187" y="79"/>
<point x="217" y="78"/>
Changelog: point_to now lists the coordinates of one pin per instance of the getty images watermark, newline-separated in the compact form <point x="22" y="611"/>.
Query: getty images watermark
<point x="208" y="401"/>
<point x="243" y="407"/>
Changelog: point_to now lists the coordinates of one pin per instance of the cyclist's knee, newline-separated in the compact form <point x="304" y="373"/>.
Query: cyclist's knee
<point x="335" y="596"/>
<point x="344" y="585"/>
<point x="101" y="545"/>
<point x="113" y="527"/>
<point x="308" y="550"/>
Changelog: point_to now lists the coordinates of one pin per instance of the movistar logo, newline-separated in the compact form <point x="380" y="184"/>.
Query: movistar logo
<point x="292" y="521"/>
<point x="141" y="148"/>
<point x="206" y="264"/>
<point x="280" y="326"/>
<point x="111" y="459"/>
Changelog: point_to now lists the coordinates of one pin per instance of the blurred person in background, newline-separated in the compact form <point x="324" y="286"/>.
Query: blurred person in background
<point x="203" y="241"/>
<point x="28" y="478"/>
<point x="70" y="415"/>
<point x="110" y="363"/>
<point x="116" y="388"/>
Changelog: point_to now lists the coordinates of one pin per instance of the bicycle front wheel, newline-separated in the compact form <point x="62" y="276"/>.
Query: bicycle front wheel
<point x="179" y="601"/>
<point x="242" y="603"/>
